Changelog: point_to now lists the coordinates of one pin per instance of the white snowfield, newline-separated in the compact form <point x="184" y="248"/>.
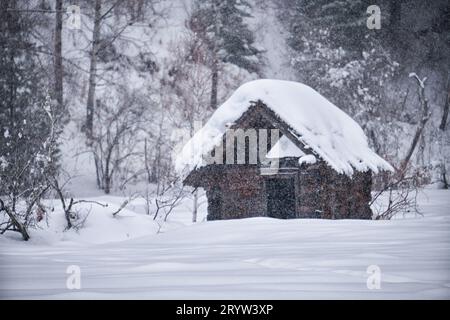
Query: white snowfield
<point x="317" y="123"/>
<point x="258" y="258"/>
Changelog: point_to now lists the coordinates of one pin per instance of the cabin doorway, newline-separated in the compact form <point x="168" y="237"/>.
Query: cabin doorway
<point x="280" y="197"/>
<point x="214" y="204"/>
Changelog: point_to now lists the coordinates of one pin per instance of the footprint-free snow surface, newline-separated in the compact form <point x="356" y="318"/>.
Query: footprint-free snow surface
<point x="250" y="258"/>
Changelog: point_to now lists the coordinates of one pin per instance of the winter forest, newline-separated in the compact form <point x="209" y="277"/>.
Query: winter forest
<point x="97" y="99"/>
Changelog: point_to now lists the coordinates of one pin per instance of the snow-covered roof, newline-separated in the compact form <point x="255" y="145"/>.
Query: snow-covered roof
<point x="318" y="124"/>
<point x="284" y="148"/>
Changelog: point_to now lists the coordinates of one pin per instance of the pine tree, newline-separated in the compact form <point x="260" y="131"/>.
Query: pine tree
<point x="227" y="38"/>
<point x="27" y="153"/>
<point x="334" y="52"/>
<point x="22" y="89"/>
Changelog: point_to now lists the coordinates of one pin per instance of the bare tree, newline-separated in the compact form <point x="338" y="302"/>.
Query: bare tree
<point x="190" y="83"/>
<point x="106" y="31"/>
<point x="72" y="214"/>
<point x="116" y="140"/>
<point x="425" y="116"/>
<point x="397" y="196"/>
<point x="20" y="212"/>
<point x="93" y="70"/>
<point x="398" y="191"/>
<point x="168" y="200"/>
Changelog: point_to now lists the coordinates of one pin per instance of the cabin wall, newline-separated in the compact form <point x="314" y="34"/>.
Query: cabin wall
<point x="240" y="192"/>
<point x="244" y="194"/>
<point x="237" y="192"/>
<point x="351" y="196"/>
<point x="323" y="193"/>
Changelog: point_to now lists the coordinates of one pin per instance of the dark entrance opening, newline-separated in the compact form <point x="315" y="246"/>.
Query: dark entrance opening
<point x="215" y="204"/>
<point x="280" y="198"/>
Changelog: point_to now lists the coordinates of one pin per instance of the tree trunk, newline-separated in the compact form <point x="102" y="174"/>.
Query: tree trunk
<point x="195" y="209"/>
<point x="58" y="67"/>
<point x="93" y="73"/>
<point x="107" y="175"/>
<point x="444" y="177"/>
<point x="67" y="211"/>
<point x="16" y="223"/>
<point x="395" y="12"/>
<point x="215" y="56"/>
<point x="98" y="171"/>
<point x="107" y="184"/>
<point x="446" y="107"/>
<point x="146" y="162"/>
<point x="214" y="84"/>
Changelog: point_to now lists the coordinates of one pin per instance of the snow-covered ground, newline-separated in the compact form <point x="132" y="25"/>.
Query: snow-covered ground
<point x="237" y="259"/>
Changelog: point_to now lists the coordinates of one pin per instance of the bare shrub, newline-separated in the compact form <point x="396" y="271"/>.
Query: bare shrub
<point x="396" y="194"/>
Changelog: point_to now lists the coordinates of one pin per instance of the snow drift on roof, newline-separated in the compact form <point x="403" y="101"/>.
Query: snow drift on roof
<point x="327" y="130"/>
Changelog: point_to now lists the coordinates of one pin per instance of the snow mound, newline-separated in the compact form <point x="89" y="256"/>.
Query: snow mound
<point x="308" y="159"/>
<point x="327" y="130"/>
<point x="99" y="225"/>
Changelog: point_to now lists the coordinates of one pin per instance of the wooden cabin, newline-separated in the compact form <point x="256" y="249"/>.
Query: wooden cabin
<point x="296" y="173"/>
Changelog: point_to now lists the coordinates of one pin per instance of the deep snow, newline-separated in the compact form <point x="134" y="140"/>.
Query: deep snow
<point x="237" y="259"/>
